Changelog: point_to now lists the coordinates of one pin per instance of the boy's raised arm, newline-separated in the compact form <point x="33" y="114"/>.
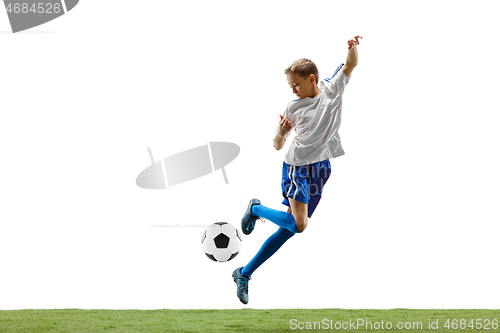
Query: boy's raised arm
<point x="352" y="56"/>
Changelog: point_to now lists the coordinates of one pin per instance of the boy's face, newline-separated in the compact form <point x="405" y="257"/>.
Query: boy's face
<point x="301" y="87"/>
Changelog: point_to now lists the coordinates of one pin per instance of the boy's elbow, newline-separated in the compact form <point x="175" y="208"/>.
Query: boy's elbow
<point x="348" y="69"/>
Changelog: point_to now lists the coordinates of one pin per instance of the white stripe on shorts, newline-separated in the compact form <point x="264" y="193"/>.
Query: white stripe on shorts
<point x="293" y="180"/>
<point x="290" y="176"/>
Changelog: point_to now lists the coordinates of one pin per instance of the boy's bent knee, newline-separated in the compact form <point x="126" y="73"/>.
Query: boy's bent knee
<point x="299" y="212"/>
<point x="301" y="224"/>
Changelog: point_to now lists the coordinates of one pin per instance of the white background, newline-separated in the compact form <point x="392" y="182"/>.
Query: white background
<point x="409" y="218"/>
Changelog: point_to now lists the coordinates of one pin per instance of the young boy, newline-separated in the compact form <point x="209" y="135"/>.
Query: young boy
<point x="315" y="116"/>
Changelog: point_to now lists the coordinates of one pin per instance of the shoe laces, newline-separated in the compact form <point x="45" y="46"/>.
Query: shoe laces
<point x="244" y="283"/>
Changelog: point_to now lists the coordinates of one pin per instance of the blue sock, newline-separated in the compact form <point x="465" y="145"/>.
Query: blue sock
<point x="281" y="219"/>
<point x="270" y="246"/>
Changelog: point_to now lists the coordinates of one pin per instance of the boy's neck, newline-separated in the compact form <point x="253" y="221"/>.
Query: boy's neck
<point x="315" y="91"/>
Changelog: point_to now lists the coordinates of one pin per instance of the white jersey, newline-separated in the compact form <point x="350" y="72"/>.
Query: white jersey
<point x="316" y="122"/>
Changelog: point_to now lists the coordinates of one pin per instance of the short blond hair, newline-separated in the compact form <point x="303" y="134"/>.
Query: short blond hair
<point x="303" y="67"/>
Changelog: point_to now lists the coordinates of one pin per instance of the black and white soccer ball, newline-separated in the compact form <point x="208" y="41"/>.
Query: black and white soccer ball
<point x="221" y="242"/>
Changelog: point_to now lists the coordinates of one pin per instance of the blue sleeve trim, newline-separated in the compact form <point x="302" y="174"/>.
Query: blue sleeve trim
<point x="336" y="71"/>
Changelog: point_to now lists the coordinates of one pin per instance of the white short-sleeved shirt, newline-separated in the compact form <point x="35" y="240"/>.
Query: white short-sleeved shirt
<point x="316" y="122"/>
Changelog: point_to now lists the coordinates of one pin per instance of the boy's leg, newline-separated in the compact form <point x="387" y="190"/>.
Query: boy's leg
<point x="276" y="240"/>
<point x="280" y="218"/>
<point x="299" y="212"/>
<point x="242" y="275"/>
<point x="317" y="176"/>
<point x="294" y="186"/>
<point x="270" y="246"/>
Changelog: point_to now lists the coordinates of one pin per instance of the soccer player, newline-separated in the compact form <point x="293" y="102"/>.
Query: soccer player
<point x="315" y="117"/>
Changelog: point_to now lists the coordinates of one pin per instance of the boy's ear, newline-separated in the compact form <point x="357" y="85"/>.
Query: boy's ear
<point x="312" y="78"/>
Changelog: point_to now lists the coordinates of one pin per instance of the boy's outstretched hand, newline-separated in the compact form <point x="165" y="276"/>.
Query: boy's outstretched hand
<point x="353" y="42"/>
<point x="285" y="126"/>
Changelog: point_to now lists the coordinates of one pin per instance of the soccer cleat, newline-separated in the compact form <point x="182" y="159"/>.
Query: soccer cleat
<point x="241" y="285"/>
<point x="248" y="220"/>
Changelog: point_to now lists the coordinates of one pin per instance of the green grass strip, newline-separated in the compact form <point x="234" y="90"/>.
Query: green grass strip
<point x="249" y="320"/>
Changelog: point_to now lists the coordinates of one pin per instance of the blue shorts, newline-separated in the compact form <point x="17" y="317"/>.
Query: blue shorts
<point x="305" y="183"/>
